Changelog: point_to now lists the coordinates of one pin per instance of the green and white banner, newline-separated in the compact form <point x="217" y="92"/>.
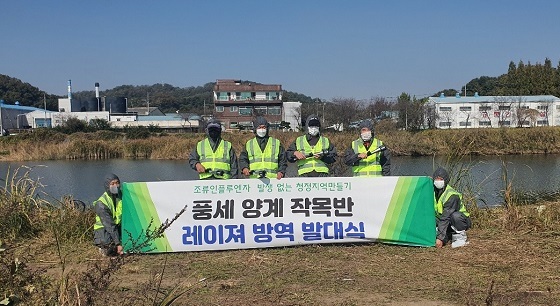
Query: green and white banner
<point x="258" y="213"/>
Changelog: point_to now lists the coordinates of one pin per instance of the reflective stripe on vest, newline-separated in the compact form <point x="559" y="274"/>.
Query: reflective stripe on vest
<point x="449" y="191"/>
<point x="311" y="164"/>
<point x="370" y="165"/>
<point x="215" y="161"/>
<point x="116" y="212"/>
<point x="267" y="160"/>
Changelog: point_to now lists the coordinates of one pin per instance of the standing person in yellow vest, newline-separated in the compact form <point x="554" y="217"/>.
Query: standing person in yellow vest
<point x="368" y="156"/>
<point x="108" y="210"/>
<point x="213" y="157"/>
<point x="452" y="218"/>
<point x="263" y="156"/>
<point x="312" y="151"/>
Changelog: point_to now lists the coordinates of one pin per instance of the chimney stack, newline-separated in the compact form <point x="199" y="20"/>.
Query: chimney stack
<point x="69" y="89"/>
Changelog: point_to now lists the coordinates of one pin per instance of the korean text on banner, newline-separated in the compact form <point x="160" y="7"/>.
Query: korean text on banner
<point x="257" y="213"/>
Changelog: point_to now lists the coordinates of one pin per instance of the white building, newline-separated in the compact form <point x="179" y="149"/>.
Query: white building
<point x="292" y="114"/>
<point x="495" y="111"/>
<point x="41" y="118"/>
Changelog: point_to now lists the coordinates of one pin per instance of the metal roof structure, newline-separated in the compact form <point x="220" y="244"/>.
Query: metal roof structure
<point x="20" y="107"/>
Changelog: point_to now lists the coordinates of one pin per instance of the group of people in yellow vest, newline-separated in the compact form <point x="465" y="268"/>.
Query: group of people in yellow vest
<point x="264" y="157"/>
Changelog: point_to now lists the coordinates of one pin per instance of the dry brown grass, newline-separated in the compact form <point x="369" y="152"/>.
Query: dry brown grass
<point x="502" y="265"/>
<point x="523" y="270"/>
<point x="103" y="144"/>
<point x="512" y="258"/>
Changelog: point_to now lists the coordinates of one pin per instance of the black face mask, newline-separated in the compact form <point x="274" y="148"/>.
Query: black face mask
<point x="214" y="133"/>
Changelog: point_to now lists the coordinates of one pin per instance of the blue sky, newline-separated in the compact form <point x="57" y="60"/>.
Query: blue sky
<point x="326" y="49"/>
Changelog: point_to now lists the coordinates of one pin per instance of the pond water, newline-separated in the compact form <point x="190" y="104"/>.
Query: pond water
<point x="538" y="174"/>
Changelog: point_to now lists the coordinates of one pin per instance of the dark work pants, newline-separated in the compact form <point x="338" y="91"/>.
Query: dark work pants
<point x="460" y="222"/>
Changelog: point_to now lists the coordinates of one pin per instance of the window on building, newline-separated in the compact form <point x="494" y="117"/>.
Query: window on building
<point x="223" y="96"/>
<point x="484" y="108"/>
<point x="238" y="96"/>
<point x="275" y="110"/>
<point x="557" y="106"/>
<point x="219" y="109"/>
<point x="445" y="109"/>
<point x="445" y="124"/>
<point x="232" y="109"/>
<point x="245" y="110"/>
<point x="504" y="107"/>
<point x="525" y="123"/>
<point x="484" y="123"/>
<point x="542" y="107"/>
<point x="504" y="123"/>
<point x="260" y="110"/>
<point x="465" y="123"/>
<point x="245" y="125"/>
<point x="233" y="125"/>
<point x="523" y="107"/>
<point x="271" y="95"/>
<point x="465" y="108"/>
<point x="542" y="122"/>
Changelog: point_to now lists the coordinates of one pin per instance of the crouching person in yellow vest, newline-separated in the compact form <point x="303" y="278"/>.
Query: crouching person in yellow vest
<point x="213" y="157"/>
<point x="263" y="156"/>
<point x="452" y="218"/>
<point x="108" y="210"/>
<point x="368" y="156"/>
<point x="312" y="151"/>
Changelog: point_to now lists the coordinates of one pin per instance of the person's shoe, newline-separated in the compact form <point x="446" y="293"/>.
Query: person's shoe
<point x="459" y="239"/>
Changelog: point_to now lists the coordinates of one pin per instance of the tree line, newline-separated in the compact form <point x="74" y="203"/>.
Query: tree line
<point x="193" y="99"/>
<point x="410" y="113"/>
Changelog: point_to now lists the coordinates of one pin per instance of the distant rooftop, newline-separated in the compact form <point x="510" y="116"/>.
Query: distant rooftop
<point x="20" y="107"/>
<point x="236" y="85"/>
<point x="159" y="118"/>
<point x="480" y="99"/>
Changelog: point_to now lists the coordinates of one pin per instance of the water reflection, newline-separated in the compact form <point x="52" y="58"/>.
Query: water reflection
<point x="84" y="179"/>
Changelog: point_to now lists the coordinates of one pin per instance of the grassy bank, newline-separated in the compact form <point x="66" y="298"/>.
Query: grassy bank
<point x="46" y="258"/>
<point x="51" y="145"/>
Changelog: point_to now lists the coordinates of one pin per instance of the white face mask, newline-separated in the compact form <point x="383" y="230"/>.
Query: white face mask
<point x="366" y="136"/>
<point x="261" y="132"/>
<point x="114" y="189"/>
<point x="439" y="184"/>
<point x="313" y="130"/>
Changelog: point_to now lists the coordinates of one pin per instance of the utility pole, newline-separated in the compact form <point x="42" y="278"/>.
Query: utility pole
<point x="406" y="115"/>
<point x="323" y="114"/>
<point x="148" y="100"/>
<point x="45" y="103"/>
<point x="1" y="127"/>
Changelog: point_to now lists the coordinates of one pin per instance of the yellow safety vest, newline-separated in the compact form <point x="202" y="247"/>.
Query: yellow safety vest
<point x="449" y="191"/>
<point x="311" y="164"/>
<point x="370" y="165"/>
<point x="215" y="161"/>
<point x="116" y="212"/>
<point x="263" y="161"/>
